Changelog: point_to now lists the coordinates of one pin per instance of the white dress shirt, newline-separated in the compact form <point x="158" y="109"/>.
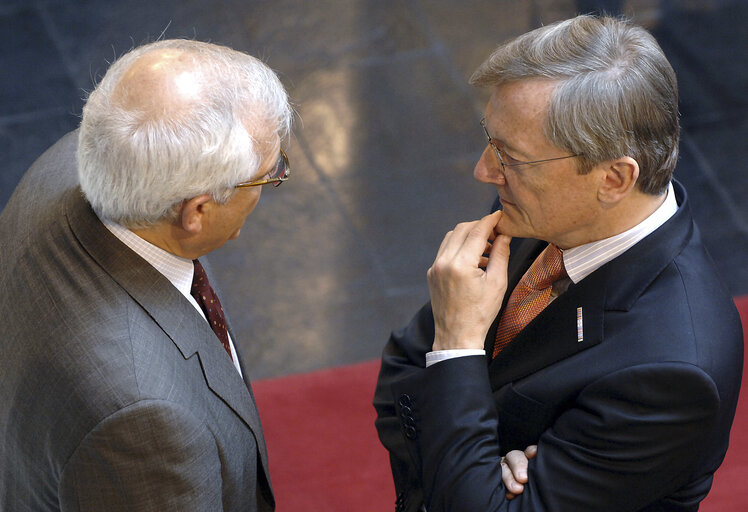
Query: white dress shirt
<point x="177" y="270"/>
<point x="581" y="261"/>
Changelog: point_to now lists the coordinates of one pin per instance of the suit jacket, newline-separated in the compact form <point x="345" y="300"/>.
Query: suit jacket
<point x="114" y="392"/>
<point x="635" y="415"/>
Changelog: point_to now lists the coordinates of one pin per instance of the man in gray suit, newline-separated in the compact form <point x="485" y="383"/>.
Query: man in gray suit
<point x="115" y="392"/>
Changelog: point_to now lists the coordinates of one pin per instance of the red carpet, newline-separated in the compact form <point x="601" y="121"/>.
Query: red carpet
<point x="325" y="455"/>
<point x="729" y="492"/>
<point x="324" y="452"/>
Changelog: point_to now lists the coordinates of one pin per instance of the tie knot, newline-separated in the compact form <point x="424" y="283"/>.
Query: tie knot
<point x="547" y="268"/>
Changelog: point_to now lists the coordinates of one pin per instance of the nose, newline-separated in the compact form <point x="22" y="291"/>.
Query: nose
<point x="488" y="168"/>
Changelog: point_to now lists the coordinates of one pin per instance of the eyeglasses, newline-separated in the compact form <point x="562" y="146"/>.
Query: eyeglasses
<point x="278" y="175"/>
<point x="504" y="165"/>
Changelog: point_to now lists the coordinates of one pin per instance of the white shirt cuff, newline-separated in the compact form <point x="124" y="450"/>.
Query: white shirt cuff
<point x="442" y="355"/>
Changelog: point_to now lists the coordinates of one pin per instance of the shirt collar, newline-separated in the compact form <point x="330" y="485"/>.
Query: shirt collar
<point x="176" y="269"/>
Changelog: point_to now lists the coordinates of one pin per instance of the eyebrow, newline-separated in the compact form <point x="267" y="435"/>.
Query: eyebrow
<point x="509" y="148"/>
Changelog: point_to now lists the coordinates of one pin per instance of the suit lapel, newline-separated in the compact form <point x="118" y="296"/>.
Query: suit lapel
<point x="225" y="381"/>
<point x="169" y="309"/>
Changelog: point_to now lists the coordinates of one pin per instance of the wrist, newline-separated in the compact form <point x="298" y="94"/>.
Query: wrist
<point x="458" y="342"/>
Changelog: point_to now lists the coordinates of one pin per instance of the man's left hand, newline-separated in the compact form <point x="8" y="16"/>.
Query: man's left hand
<point x="514" y="470"/>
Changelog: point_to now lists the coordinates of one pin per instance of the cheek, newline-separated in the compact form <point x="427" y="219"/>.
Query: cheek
<point x="247" y="202"/>
<point x="532" y="204"/>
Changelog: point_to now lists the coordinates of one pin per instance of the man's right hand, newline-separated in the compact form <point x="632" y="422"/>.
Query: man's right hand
<point x="514" y="470"/>
<point x="467" y="283"/>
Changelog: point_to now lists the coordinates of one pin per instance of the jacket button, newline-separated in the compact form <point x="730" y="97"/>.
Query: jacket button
<point x="410" y="432"/>
<point x="405" y="401"/>
<point x="400" y="503"/>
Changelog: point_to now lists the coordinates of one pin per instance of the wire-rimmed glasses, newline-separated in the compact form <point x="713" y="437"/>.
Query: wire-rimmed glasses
<point x="278" y="175"/>
<point x="515" y="163"/>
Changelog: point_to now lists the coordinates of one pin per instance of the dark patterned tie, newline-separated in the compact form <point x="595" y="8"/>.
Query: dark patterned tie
<point x="531" y="295"/>
<point x="211" y="306"/>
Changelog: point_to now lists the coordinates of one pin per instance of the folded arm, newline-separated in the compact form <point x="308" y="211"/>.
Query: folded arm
<point x="628" y="439"/>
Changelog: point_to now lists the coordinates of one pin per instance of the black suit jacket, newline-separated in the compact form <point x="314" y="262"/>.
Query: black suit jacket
<point x="635" y="415"/>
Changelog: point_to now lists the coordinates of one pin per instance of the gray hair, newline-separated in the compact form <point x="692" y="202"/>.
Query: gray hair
<point x="616" y="93"/>
<point x="136" y="169"/>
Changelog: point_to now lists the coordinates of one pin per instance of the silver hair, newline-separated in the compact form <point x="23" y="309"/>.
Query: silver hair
<point x="616" y="93"/>
<point x="136" y="169"/>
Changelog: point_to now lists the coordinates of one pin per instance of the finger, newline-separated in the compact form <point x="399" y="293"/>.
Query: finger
<point x="487" y="250"/>
<point x="485" y="256"/>
<point x="477" y="237"/>
<point x="517" y="463"/>
<point x="454" y="240"/>
<point x="531" y="451"/>
<point x="510" y="482"/>
<point x="498" y="259"/>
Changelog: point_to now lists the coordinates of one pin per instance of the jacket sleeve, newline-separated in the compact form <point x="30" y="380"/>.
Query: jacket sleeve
<point x="622" y="443"/>
<point x="151" y="456"/>
<point x="403" y="356"/>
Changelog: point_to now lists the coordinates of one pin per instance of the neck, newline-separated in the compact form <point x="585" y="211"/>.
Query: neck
<point x="614" y="219"/>
<point x="631" y="212"/>
<point x="165" y="236"/>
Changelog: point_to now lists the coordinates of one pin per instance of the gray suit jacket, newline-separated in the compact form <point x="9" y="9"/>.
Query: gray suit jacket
<point x="114" y="392"/>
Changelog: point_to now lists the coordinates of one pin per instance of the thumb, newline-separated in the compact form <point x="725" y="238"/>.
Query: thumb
<point x="498" y="259"/>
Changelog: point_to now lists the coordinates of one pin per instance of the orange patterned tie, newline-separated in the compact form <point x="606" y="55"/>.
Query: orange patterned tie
<point x="531" y="295"/>
<point x="211" y="306"/>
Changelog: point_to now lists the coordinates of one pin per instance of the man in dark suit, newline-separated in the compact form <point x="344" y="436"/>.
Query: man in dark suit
<point x="115" y="391"/>
<point x="623" y="387"/>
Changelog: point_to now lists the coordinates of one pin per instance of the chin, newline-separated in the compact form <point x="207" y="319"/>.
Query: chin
<point x="507" y="227"/>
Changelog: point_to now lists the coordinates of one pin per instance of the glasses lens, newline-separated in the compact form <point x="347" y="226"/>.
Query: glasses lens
<point x="282" y="170"/>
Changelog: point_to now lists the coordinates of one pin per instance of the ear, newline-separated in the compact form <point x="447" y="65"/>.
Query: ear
<point x="193" y="212"/>
<point x="618" y="180"/>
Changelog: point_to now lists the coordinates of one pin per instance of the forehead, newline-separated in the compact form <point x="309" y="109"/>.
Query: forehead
<point x="269" y="149"/>
<point x="523" y="101"/>
<point x="516" y="113"/>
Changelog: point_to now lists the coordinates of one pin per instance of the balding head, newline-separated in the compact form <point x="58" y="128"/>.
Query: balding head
<point x="173" y="120"/>
<point x="161" y="83"/>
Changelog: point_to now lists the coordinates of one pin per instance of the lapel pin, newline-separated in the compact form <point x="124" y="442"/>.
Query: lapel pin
<point x="580" y="326"/>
